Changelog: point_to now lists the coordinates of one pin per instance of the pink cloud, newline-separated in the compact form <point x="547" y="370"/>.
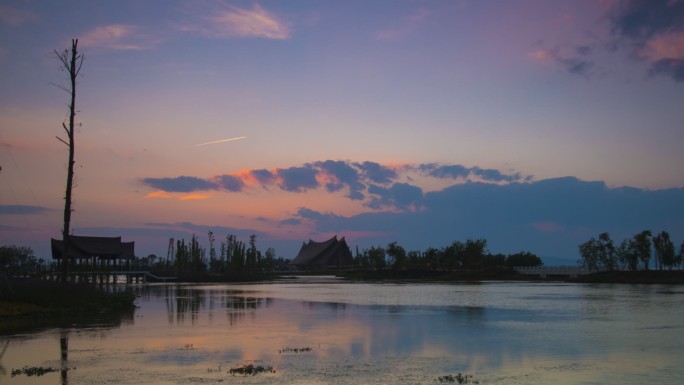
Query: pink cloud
<point x="541" y="55"/>
<point x="15" y="17"/>
<point x="406" y="26"/>
<point x="117" y="36"/>
<point x="243" y="22"/>
<point x="664" y="46"/>
<point x="547" y="227"/>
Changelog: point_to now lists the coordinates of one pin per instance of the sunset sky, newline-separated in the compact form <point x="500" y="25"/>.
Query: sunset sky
<point x="533" y="124"/>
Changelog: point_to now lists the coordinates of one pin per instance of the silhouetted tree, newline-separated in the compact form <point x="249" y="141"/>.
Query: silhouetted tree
<point x="523" y="258"/>
<point x="71" y="63"/>
<point x="376" y="257"/>
<point x="627" y="255"/>
<point x="473" y="253"/>
<point x="642" y="247"/>
<point x="196" y="253"/>
<point x="432" y="258"/>
<point x="397" y="256"/>
<point x="664" y="250"/>
<point x="598" y="253"/>
<point x="251" y="257"/>
<point x="214" y="263"/>
<point x="18" y="261"/>
<point x="269" y="260"/>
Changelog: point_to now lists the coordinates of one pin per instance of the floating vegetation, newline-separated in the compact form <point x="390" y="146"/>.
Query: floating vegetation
<point x="294" y="350"/>
<point x="458" y="379"/>
<point x="32" y="371"/>
<point x="251" y="370"/>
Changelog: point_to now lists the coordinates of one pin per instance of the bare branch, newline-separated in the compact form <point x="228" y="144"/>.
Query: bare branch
<point x="62" y="140"/>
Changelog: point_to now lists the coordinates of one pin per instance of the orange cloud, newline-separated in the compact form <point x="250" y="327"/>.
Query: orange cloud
<point x="541" y="55"/>
<point x="192" y="197"/>
<point x="159" y="194"/>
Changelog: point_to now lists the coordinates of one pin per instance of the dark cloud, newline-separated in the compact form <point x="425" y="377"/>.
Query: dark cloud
<point x="290" y="221"/>
<point x="344" y="175"/>
<point x="669" y="67"/>
<point x="642" y="19"/>
<point x="264" y="177"/>
<point x="493" y="175"/>
<point x="22" y="210"/>
<point x="399" y="195"/>
<point x="180" y="184"/>
<point x="297" y="179"/>
<point x="231" y="183"/>
<point x="309" y="214"/>
<point x="445" y="171"/>
<point x="377" y="173"/>
<point x="548" y="217"/>
<point x="455" y="171"/>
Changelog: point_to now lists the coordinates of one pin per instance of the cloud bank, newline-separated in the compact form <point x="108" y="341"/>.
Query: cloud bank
<point x="378" y="186"/>
<point x="513" y="212"/>
<point x="549" y="217"/>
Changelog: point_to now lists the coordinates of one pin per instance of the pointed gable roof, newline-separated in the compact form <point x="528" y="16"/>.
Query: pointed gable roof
<point x="332" y="252"/>
<point x="88" y="247"/>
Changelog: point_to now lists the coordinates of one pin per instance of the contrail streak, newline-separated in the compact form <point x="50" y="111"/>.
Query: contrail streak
<point x="220" y="141"/>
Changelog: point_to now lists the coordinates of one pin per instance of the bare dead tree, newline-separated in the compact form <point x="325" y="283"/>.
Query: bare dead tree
<point x="71" y="63"/>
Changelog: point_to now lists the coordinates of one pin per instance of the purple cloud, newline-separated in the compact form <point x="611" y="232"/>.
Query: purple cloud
<point x="298" y="179"/>
<point x="376" y="172"/>
<point x="180" y="184"/>
<point x="231" y="183"/>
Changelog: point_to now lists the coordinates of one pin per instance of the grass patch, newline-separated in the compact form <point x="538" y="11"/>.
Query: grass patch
<point x="251" y="370"/>
<point x="459" y="378"/>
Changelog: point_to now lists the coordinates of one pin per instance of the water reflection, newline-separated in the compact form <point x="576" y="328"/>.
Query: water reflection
<point x="513" y="334"/>
<point x="3" y="371"/>
<point x="64" y="356"/>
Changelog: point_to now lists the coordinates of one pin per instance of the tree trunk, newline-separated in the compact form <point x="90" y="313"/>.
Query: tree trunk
<point x="72" y="64"/>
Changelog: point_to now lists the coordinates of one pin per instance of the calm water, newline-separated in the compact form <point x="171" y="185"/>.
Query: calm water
<point x="501" y="333"/>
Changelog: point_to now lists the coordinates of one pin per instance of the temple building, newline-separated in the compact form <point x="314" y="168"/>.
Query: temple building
<point x="332" y="253"/>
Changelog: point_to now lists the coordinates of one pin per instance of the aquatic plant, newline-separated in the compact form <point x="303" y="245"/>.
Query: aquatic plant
<point x="251" y="370"/>
<point x="458" y="378"/>
<point x="32" y="371"/>
<point x="294" y="350"/>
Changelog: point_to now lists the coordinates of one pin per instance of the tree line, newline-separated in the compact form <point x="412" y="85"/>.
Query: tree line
<point x="639" y="252"/>
<point x="233" y="257"/>
<point x="468" y="255"/>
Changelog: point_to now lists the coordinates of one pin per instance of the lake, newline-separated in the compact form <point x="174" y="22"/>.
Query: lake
<point x="322" y="330"/>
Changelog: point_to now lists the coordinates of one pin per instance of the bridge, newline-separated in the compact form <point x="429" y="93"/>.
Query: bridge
<point x="554" y="271"/>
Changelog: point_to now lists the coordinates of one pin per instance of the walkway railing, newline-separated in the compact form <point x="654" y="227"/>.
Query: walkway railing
<point x="132" y="276"/>
<point x="561" y="271"/>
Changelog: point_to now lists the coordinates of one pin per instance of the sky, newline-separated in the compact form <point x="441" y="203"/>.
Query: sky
<point x="535" y="125"/>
